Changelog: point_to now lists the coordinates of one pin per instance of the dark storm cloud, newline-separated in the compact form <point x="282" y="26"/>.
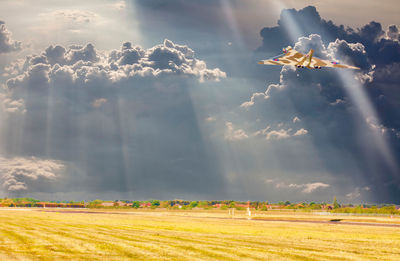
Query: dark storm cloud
<point x="131" y="119"/>
<point x="308" y="21"/>
<point x="331" y="117"/>
<point x="215" y="29"/>
<point x="202" y="15"/>
<point x="7" y="44"/>
<point x="124" y="119"/>
<point x="379" y="53"/>
<point x="393" y="32"/>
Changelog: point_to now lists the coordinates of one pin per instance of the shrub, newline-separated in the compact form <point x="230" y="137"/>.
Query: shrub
<point x="136" y="204"/>
<point x="193" y="204"/>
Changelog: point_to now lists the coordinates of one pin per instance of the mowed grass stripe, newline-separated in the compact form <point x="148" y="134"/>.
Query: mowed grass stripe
<point x="43" y="241"/>
<point x="173" y="245"/>
<point x="178" y="240"/>
<point x="332" y="244"/>
<point x="220" y="254"/>
<point x="103" y="246"/>
<point x="86" y="236"/>
<point x="148" y="237"/>
<point x="205" y="247"/>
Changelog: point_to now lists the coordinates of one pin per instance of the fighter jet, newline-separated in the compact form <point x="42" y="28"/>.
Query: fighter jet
<point x="292" y="57"/>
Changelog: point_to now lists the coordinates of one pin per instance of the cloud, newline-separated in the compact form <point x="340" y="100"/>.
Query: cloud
<point x="308" y="21"/>
<point x="372" y="123"/>
<point x="305" y="188"/>
<point x="310" y="187"/>
<point x="323" y="102"/>
<point x="18" y="173"/>
<point x="356" y="194"/>
<point x="267" y="181"/>
<point x="329" y="115"/>
<point x="350" y="53"/>
<point x="300" y="132"/>
<point x="370" y="46"/>
<point x="121" y="5"/>
<point x="278" y="134"/>
<point x="145" y="139"/>
<point x="203" y="16"/>
<point x="73" y="16"/>
<point x="393" y="33"/>
<point x="148" y="137"/>
<point x="7" y="44"/>
<point x="233" y="135"/>
<point x="12" y="106"/>
<point x="99" y="102"/>
<point x="72" y="21"/>
<point x="84" y="65"/>
<point x="296" y="119"/>
<point x="211" y="118"/>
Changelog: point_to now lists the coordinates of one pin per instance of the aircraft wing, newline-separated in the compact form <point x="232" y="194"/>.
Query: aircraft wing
<point x="291" y="57"/>
<point x="319" y="63"/>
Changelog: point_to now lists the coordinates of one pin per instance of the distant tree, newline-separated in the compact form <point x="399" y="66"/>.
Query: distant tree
<point x="204" y="204"/>
<point x="287" y="203"/>
<point x="136" y="204"/>
<point x="232" y="204"/>
<point x="335" y="203"/>
<point x="155" y="203"/>
<point x="255" y="204"/>
<point x="164" y="204"/>
<point x="95" y="203"/>
<point x="193" y="204"/>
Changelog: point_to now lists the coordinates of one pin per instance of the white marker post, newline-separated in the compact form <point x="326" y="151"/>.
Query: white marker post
<point x="231" y="212"/>
<point x="248" y="210"/>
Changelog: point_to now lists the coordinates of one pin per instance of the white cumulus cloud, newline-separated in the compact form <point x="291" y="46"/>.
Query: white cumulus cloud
<point x="234" y="134"/>
<point x="18" y="172"/>
<point x="7" y="44"/>
<point x="300" y="132"/>
<point x="305" y="188"/>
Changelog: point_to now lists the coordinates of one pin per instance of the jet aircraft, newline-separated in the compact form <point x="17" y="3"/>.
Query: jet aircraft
<point x="292" y="57"/>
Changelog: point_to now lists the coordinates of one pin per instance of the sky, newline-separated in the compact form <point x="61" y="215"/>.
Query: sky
<point x="153" y="99"/>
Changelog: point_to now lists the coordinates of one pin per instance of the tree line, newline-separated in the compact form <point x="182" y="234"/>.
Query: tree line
<point x="335" y="206"/>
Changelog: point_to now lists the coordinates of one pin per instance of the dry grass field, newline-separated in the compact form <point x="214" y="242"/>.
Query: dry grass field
<point x="33" y="234"/>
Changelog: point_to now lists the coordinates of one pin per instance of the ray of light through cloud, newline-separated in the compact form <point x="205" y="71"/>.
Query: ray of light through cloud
<point x="292" y="27"/>
<point x="359" y="97"/>
<point x="232" y="21"/>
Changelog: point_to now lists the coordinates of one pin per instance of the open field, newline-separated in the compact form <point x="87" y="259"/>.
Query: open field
<point x="35" y="234"/>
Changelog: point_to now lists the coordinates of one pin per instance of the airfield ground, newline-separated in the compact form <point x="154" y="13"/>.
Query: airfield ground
<point x="64" y="234"/>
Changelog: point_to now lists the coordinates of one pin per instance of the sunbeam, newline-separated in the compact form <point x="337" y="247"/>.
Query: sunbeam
<point x="232" y="22"/>
<point x="359" y="97"/>
<point x="292" y="27"/>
